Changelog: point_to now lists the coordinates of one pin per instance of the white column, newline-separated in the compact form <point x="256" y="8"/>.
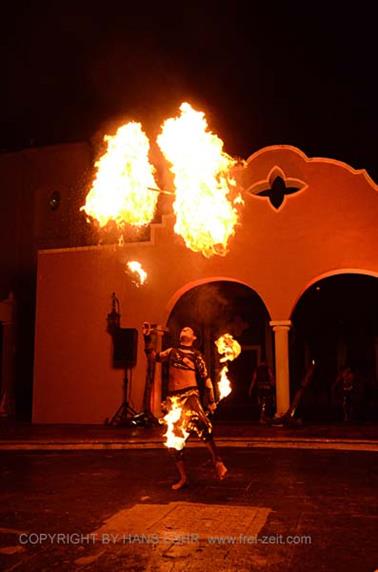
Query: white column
<point x="281" y="339"/>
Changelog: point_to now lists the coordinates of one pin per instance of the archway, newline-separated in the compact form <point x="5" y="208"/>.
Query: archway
<point x="213" y="309"/>
<point x="335" y="323"/>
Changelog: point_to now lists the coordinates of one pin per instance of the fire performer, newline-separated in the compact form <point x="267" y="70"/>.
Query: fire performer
<point x="186" y="366"/>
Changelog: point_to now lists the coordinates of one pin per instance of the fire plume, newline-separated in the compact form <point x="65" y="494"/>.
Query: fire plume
<point x="139" y="274"/>
<point x="224" y="385"/>
<point x="175" y="435"/>
<point x="205" y="215"/>
<point x="229" y="349"/>
<point x="120" y="191"/>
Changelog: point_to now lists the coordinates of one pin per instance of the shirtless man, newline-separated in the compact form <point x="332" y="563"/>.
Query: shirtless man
<point x="185" y="365"/>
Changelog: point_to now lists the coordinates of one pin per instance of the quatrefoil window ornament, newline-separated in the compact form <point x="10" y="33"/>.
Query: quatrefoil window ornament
<point x="276" y="187"/>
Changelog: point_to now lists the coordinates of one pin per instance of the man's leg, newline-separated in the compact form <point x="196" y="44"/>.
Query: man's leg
<point x="204" y="429"/>
<point x="178" y="457"/>
<point x="220" y="467"/>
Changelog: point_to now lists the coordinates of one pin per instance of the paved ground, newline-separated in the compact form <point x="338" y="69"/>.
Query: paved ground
<point x="26" y="436"/>
<point x="279" y="510"/>
<point x="11" y="430"/>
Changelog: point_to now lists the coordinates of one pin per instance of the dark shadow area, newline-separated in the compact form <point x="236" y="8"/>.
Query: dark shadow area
<point x="335" y="323"/>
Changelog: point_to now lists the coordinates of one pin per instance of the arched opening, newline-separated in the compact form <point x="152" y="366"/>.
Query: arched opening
<point x="335" y="323"/>
<point x="213" y="309"/>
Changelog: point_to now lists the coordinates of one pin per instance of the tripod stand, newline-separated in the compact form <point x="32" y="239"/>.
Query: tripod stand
<point x="124" y="414"/>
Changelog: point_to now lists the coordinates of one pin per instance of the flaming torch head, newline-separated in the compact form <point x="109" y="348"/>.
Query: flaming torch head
<point x="228" y="347"/>
<point x="139" y="275"/>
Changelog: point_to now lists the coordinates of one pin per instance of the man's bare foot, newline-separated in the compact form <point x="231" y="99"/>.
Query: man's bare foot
<point x="181" y="484"/>
<point x="221" y="470"/>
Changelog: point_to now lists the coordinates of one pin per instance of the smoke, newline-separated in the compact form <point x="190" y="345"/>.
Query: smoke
<point x="210" y="305"/>
<point x="209" y="308"/>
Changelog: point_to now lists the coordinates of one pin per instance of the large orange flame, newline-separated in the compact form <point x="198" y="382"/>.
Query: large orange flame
<point x="120" y="191"/>
<point x="229" y="349"/>
<point x="206" y="217"/>
<point x="175" y="435"/>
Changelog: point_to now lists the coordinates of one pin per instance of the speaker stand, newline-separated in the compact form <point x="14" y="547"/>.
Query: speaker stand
<point x="123" y="415"/>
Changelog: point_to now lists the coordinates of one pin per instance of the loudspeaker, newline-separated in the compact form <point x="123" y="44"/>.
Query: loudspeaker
<point x="125" y="345"/>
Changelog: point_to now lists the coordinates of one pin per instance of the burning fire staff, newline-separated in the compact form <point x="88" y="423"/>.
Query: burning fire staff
<point x="185" y="414"/>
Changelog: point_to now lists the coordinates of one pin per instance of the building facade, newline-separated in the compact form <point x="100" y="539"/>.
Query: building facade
<point x="304" y="219"/>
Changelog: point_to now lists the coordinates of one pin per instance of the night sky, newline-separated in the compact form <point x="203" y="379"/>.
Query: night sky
<point x="265" y="72"/>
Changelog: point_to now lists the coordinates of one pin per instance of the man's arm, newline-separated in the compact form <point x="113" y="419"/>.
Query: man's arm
<point x="202" y="370"/>
<point x="210" y="394"/>
<point x="154" y="355"/>
<point x="149" y="349"/>
<point x="163" y="356"/>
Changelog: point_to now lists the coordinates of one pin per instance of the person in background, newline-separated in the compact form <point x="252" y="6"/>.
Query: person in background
<point x="344" y="391"/>
<point x="263" y="382"/>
